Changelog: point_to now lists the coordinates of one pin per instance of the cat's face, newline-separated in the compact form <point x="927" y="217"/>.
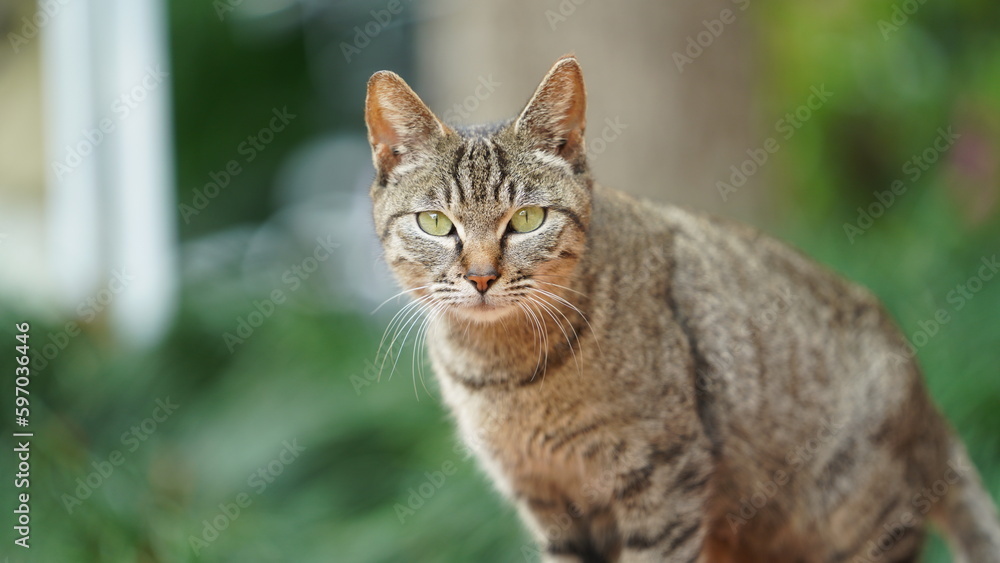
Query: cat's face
<point x="484" y="222"/>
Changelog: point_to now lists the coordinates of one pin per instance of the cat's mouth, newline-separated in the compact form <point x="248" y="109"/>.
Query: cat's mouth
<point x="484" y="308"/>
<point x="484" y="303"/>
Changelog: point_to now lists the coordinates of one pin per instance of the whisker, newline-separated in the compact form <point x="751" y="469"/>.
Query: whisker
<point x="549" y="310"/>
<point x="558" y="310"/>
<point x="414" y="366"/>
<point x="411" y="317"/>
<point x="400" y="294"/>
<point x="577" y="309"/>
<point x="398" y="317"/>
<point x="434" y="315"/>
<point x="536" y="275"/>
<point x="563" y="287"/>
<point x="534" y="329"/>
<point x="543" y="340"/>
<point x="412" y="323"/>
<point x="418" y="347"/>
<point x="504" y="325"/>
<point x="422" y="345"/>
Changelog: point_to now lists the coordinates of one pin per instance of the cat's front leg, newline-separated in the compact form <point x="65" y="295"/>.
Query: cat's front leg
<point x="648" y="530"/>
<point x="561" y="532"/>
<point x="670" y="538"/>
<point x="660" y="510"/>
<point x="683" y="544"/>
<point x="648" y="508"/>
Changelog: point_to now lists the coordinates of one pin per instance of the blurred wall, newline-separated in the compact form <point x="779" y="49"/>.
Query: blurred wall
<point x="22" y="172"/>
<point x="671" y="127"/>
<point x="86" y="174"/>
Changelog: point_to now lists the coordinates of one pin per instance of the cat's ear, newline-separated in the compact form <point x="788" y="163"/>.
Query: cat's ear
<point x="555" y="118"/>
<point x="400" y="125"/>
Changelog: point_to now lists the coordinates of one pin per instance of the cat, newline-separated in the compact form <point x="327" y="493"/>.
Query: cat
<point x="647" y="383"/>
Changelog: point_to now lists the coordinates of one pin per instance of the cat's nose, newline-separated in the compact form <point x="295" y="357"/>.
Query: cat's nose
<point x="482" y="278"/>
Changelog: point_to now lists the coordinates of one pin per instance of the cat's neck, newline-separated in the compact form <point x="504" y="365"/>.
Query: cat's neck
<point x="521" y="345"/>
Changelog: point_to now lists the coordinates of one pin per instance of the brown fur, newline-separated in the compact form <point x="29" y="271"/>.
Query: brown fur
<point x="651" y="384"/>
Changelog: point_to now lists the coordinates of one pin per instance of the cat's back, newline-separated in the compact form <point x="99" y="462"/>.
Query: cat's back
<point x="772" y="333"/>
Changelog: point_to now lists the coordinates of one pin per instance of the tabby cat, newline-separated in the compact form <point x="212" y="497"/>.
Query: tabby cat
<point x="650" y="384"/>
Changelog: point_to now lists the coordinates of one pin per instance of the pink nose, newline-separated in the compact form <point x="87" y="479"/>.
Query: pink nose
<point x="481" y="280"/>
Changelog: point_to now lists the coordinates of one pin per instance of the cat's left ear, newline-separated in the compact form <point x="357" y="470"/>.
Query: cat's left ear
<point x="400" y="125"/>
<point x="555" y="118"/>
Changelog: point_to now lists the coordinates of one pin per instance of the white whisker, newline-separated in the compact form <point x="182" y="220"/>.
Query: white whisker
<point x="534" y="329"/>
<point x="575" y="308"/>
<point x="412" y="324"/>
<point x="400" y="294"/>
<point x="411" y="318"/>
<point x="562" y="287"/>
<point x="397" y="318"/>
<point x="419" y="345"/>
<point x="569" y="342"/>
<point x="543" y="339"/>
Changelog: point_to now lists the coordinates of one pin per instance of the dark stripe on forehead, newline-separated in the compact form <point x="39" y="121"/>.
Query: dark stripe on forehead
<point x="490" y="169"/>
<point x="481" y="171"/>
<point x="502" y="164"/>
<point x="479" y="163"/>
<point x="456" y="168"/>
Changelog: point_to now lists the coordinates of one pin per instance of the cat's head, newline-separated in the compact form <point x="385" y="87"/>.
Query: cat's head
<point x="481" y="220"/>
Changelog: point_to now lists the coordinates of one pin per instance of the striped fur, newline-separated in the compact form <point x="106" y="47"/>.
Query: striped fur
<point x="651" y="384"/>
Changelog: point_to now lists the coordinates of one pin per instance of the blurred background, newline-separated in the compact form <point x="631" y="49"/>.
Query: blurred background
<point x="184" y="223"/>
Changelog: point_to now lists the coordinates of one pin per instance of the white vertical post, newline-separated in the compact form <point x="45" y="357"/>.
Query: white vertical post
<point x="111" y="218"/>
<point x="140" y="172"/>
<point x="73" y="200"/>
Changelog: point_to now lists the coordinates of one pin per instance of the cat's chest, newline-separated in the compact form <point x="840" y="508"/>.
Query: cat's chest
<point x="563" y="432"/>
<point x="553" y="442"/>
<point x="525" y="444"/>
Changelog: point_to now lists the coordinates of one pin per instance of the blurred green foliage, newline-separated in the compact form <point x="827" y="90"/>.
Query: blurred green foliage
<point x="304" y="375"/>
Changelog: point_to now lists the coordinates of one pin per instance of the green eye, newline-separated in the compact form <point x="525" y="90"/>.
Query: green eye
<point x="434" y="223"/>
<point x="527" y="219"/>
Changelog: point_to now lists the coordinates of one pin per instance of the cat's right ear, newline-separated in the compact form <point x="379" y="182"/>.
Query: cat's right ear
<point x="400" y="125"/>
<point x="555" y="118"/>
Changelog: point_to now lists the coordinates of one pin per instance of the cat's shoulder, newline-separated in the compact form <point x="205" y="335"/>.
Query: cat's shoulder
<point x="702" y="242"/>
<point x="614" y="206"/>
